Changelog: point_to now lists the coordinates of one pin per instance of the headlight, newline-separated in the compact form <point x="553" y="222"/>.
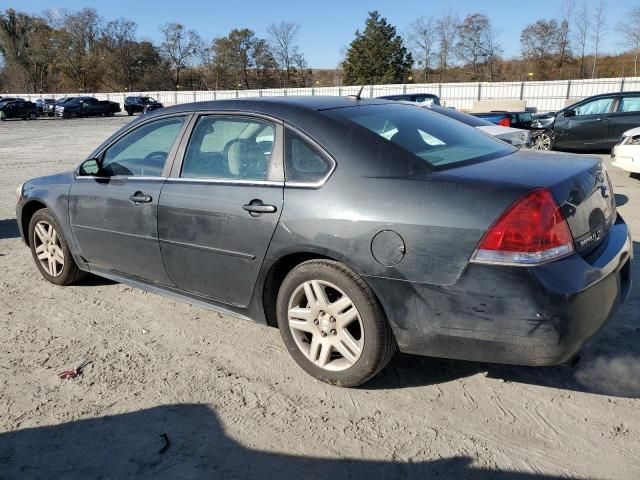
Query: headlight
<point x="19" y="192"/>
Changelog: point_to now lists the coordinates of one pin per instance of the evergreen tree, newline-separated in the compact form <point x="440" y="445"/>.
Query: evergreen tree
<point x="377" y="55"/>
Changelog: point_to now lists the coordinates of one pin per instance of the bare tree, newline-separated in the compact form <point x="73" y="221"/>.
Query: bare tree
<point x="446" y="32"/>
<point x="542" y="47"/>
<point x="178" y="46"/>
<point x="477" y="45"/>
<point x="582" y="28"/>
<point x="283" y="39"/>
<point x="78" y="48"/>
<point x="120" y="40"/>
<point x="564" y="34"/>
<point x="630" y="27"/>
<point x="599" y="28"/>
<point x="422" y="35"/>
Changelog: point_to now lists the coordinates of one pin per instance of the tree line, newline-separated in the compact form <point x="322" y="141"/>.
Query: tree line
<point x="81" y="51"/>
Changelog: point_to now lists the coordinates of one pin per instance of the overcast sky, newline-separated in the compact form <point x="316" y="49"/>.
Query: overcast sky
<point x="327" y="26"/>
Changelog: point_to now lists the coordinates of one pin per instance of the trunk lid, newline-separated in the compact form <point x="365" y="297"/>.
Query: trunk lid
<point x="579" y="183"/>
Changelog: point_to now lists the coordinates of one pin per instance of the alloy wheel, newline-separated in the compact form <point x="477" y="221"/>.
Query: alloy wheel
<point x="48" y="248"/>
<point x="542" y="142"/>
<point x="326" y="325"/>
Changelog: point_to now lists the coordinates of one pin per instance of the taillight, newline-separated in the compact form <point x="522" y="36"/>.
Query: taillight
<point x="504" y="122"/>
<point x="532" y="231"/>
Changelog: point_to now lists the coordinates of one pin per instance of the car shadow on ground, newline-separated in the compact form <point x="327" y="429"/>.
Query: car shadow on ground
<point x="610" y="365"/>
<point x="621" y="199"/>
<point x="132" y="445"/>
<point x="9" y="229"/>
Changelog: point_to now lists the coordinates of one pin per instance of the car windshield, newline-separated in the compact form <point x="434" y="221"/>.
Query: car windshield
<point x="433" y="138"/>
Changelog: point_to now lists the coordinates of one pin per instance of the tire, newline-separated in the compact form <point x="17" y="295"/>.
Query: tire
<point x="33" y="116"/>
<point x="61" y="274"/>
<point x="349" y="347"/>
<point x="129" y="112"/>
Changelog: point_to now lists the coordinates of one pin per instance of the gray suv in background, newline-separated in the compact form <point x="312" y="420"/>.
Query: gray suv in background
<point x="595" y="123"/>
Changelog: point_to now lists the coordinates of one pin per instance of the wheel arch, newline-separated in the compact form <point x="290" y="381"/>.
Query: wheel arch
<point x="28" y="210"/>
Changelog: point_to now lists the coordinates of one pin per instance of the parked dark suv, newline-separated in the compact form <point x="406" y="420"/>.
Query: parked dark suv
<point x="595" y="123"/>
<point x="18" y="109"/>
<point x="141" y="105"/>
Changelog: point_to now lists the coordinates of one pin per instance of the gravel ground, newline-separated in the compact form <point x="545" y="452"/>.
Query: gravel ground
<point x="231" y="402"/>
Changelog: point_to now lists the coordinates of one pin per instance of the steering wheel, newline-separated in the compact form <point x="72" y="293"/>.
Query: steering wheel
<point x="151" y="157"/>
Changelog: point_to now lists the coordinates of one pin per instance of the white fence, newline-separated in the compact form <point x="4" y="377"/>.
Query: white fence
<point x="543" y="96"/>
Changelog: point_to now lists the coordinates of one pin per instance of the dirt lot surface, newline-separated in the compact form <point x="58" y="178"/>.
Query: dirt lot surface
<point x="233" y="404"/>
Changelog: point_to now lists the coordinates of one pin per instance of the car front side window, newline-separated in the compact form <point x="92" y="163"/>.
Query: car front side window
<point x="229" y="148"/>
<point x="595" y="107"/>
<point x="144" y="151"/>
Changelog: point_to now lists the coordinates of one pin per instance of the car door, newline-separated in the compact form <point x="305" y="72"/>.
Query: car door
<point x="585" y="126"/>
<point x="113" y="211"/>
<point x="90" y="107"/>
<point x="625" y="117"/>
<point x="221" y="205"/>
<point x="12" y="110"/>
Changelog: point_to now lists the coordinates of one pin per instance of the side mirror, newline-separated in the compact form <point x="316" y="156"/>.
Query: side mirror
<point x="569" y="113"/>
<point x="90" y="168"/>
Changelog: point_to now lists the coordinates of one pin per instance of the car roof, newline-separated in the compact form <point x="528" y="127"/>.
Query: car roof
<point x="269" y="104"/>
<point x="290" y="108"/>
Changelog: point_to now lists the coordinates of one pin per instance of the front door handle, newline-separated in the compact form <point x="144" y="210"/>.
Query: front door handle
<point x="256" y="207"/>
<point x="140" y="197"/>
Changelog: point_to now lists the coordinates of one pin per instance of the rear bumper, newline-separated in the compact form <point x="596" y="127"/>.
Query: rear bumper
<point x="525" y="316"/>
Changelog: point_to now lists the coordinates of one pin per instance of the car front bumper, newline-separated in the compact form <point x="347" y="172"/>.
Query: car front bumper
<point x="626" y="157"/>
<point x="524" y="316"/>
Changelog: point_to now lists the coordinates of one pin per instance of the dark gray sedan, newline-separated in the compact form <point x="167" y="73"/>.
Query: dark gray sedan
<point x="355" y="226"/>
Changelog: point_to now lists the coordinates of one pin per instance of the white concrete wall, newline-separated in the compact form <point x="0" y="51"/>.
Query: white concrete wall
<point x="544" y="96"/>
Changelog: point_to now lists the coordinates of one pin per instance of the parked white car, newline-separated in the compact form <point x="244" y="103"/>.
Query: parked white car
<point x="626" y="154"/>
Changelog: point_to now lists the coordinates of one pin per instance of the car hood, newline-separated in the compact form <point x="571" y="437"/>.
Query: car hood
<point x="56" y="179"/>
<point x="514" y="136"/>
<point x="632" y="132"/>
<point x="497" y="130"/>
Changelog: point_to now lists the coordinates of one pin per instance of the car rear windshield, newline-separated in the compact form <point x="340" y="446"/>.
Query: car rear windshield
<point x="433" y="138"/>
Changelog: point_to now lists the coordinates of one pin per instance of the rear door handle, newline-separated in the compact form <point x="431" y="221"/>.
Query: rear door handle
<point x="256" y="207"/>
<point x="140" y="197"/>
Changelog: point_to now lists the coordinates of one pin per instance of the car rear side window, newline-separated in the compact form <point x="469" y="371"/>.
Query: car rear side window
<point x="629" y="104"/>
<point x="144" y="151"/>
<point x="304" y="163"/>
<point x="229" y="148"/>
<point x="433" y="138"/>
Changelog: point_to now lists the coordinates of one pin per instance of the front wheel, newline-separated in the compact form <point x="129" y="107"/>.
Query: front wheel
<point x="33" y="116"/>
<point x="542" y="142"/>
<point x="50" y="250"/>
<point x="332" y="323"/>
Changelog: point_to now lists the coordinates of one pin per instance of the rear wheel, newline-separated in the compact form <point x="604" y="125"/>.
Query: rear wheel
<point x="50" y="250"/>
<point x="332" y="323"/>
